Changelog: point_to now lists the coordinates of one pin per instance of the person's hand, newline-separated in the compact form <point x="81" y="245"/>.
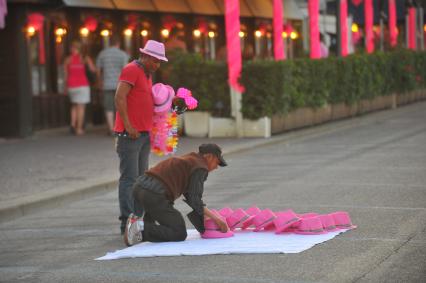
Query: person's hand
<point x="222" y="225"/>
<point x="133" y="133"/>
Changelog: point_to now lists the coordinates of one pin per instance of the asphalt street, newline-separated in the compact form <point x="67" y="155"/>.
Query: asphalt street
<point x="375" y="169"/>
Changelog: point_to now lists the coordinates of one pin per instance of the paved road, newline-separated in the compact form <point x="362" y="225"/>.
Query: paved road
<point x="375" y="169"/>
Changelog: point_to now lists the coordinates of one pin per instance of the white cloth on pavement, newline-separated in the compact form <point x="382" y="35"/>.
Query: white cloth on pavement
<point x="243" y="242"/>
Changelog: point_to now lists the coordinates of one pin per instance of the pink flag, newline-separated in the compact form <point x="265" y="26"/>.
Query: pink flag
<point x="232" y="26"/>
<point x="412" y="28"/>
<point x="392" y="23"/>
<point x="278" y="31"/>
<point x="313" y="7"/>
<point x="344" y="27"/>
<point x="369" y="36"/>
<point x="3" y="13"/>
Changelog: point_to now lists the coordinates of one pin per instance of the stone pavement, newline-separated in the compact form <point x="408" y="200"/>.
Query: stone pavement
<point x="372" y="166"/>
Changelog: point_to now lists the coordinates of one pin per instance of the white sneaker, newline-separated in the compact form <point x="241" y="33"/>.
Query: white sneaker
<point x="133" y="231"/>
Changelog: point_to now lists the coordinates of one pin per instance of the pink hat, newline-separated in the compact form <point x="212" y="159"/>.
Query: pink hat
<point x="163" y="96"/>
<point x="307" y="215"/>
<point x="238" y="218"/>
<point x="310" y="226"/>
<point x="285" y="219"/>
<point x="342" y="220"/>
<point x="226" y="211"/>
<point x="328" y="222"/>
<point x="155" y="49"/>
<point x="213" y="231"/>
<point x="262" y="219"/>
<point x="253" y="211"/>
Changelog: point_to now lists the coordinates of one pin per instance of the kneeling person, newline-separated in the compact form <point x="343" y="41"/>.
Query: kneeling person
<point x="161" y="185"/>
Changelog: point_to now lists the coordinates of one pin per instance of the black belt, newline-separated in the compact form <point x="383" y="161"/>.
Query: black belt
<point x="126" y="134"/>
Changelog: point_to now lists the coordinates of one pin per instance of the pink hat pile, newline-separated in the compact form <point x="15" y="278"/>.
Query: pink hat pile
<point x="285" y="221"/>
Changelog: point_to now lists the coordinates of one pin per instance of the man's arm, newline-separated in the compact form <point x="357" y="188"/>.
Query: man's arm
<point x="121" y="93"/>
<point x="194" y="198"/>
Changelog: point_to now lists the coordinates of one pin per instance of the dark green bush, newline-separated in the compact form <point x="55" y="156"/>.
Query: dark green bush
<point x="277" y="87"/>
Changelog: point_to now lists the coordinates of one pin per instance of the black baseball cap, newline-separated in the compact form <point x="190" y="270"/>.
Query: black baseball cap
<point x="213" y="149"/>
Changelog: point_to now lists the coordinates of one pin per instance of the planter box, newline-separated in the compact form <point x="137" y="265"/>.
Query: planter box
<point x="257" y="128"/>
<point x="196" y="124"/>
<point x="321" y="115"/>
<point x="222" y="127"/>
<point x="342" y="110"/>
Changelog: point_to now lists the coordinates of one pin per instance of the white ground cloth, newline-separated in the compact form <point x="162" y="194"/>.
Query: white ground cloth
<point x="242" y="242"/>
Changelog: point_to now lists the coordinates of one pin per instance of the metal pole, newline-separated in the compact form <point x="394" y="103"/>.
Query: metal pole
<point x="421" y="28"/>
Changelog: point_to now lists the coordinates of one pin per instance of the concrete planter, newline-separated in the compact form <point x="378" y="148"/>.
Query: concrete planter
<point x="222" y="127"/>
<point x="196" y="124"/>
<point x="321" y="115"/>
<point x="257" y="128"/>
<point x="342" y="110"/>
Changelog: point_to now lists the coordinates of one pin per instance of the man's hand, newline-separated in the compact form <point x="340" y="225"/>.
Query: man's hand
<point x="222" y="225"/>
<point x="133" y="133"/>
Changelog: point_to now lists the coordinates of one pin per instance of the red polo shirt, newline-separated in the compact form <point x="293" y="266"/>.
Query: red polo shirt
<point x="140" y="106"/>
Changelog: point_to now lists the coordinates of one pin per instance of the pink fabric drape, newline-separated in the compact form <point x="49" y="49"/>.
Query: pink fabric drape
<point x="232" y="26"/>
<point x="369" y="35"/>
<point x="344" y="27"/>
<point x="37" y="21"/>
<point x="412" y="28"/>
<point x="313" y="9"/>
<point x="278" y="31"/>
<point x="393" y="35"/>
<point x="3" y="13"/>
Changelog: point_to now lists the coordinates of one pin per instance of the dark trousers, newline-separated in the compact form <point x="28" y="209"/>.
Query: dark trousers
<point x="170" y="224"/>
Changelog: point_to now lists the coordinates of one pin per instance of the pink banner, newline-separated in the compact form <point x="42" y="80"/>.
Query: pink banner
<point x="369" y="35"/>
<point x="278" y="31"/>
<point x="393" y="35"/>
<point x="412" y="28"/>
<point x="313" y="7"/>
<point x="344" y="27"/>
<point x="232" y="26"/>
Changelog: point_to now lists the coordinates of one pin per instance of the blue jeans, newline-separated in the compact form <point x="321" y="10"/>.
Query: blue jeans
<point x="134" y="158"/>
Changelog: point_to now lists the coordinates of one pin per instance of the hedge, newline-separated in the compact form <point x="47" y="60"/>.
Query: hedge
<point x="277" y="87"/>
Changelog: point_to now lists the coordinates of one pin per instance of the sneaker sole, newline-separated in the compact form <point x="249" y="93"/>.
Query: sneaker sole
<point x="126" y="229"/>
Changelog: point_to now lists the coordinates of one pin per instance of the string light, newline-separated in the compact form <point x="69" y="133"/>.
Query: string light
<point x="241" y="34"/>
<point x="354" y="27"/>
<point x="165" y="33"/>
<point x="294" y="35"/>
<point x="60" y="31"/>
<point x="211" y="34"/>
<point x="284" y="34"/>
<point x="258" y="33"/>
<point x="105" y="33"/>
<point x="84" y="31"/>
<point x="128" y="32"/>
<point x="144" y="33"/>
<point x="31" y="30"/>
<point x="196" y="33"/>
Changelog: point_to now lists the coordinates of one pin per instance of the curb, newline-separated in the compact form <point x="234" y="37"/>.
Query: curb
<point x="48" y="200"/>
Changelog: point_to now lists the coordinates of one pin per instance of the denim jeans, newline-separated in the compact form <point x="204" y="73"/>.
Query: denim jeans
<point x="134" y="158"/>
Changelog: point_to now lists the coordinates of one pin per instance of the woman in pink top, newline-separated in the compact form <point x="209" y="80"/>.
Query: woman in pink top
<point x="77" y="85"/>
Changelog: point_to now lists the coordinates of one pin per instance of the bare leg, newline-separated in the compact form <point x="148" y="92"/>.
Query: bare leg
<point x="80" y="119"/>
<point x="109" y="115"/>
<point x="74" y="116"/>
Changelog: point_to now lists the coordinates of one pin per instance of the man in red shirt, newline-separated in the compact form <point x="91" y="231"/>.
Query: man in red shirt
<point x="135" y="109"/>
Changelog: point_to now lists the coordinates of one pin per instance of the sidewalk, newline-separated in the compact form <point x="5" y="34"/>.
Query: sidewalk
<point x="53" y="167"/>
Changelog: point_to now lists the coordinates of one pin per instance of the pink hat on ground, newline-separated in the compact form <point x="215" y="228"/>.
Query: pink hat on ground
<point x="237" y="218"/>
<point x="263" y="219"/>
<point x="285" y="219"/>
<point x="328" y="222"/>
<point x="310" y="226"/>
<point x="163" y="96"/>
<point x="252" y="211"/>
<point x="342" y="220"/>
<point x="307" y="215"/>
<point x="226" y="211"/>
<point x="213" y="231"/>
<point x="155" y="49"/>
